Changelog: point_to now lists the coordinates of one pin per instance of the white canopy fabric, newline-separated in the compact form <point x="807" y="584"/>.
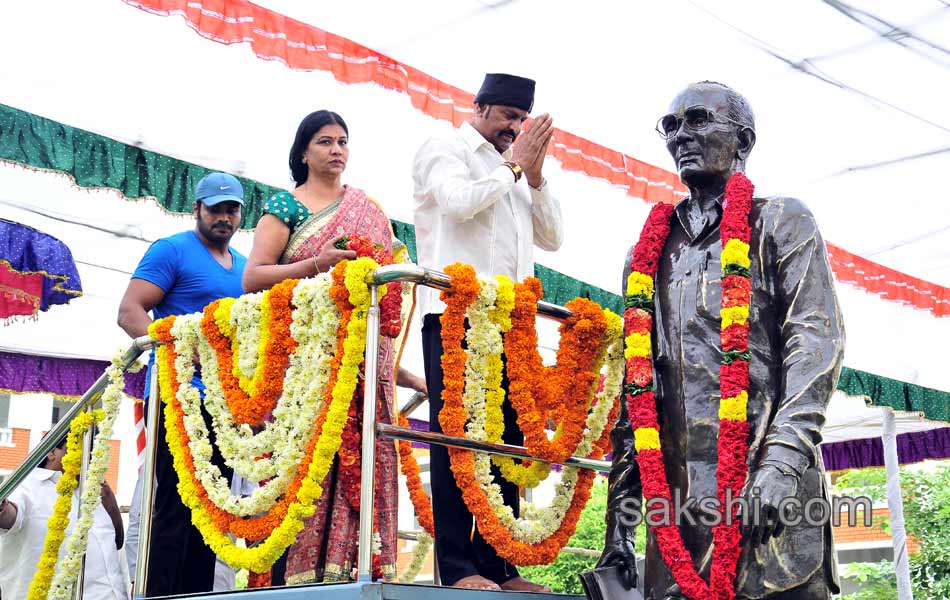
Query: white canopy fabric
<point x="852" y="418"/>
<point x="605" y="73"/>
<point x="605" y="70"/>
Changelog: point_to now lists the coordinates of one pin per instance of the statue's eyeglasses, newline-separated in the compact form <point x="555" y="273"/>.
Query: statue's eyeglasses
<point x="696" y="118"/>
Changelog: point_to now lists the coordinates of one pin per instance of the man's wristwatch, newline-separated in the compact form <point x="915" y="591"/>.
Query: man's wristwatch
<point x="540" y="187"/>
<point x="516" y="169"/>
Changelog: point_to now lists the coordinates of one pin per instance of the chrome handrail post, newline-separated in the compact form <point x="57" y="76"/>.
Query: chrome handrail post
<point x="427" y="437"/>
<point x="364" y="561"/>
<point x="148" y="487"/>
<point x="417" y="400"/>
<point x="81" y="482"/>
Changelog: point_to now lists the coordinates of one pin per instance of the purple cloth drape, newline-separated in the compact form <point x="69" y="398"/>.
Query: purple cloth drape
<point x="25" y="374"/>
<point x="911" y="448"/>
<point x="29" y="250"/>
<point x="417" y="425"/>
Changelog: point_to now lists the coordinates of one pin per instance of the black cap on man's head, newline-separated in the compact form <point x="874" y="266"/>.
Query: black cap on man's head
<point x="506" y="90"/>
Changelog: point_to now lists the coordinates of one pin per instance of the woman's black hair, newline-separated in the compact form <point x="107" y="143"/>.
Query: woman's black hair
<point x="310" y="125"/>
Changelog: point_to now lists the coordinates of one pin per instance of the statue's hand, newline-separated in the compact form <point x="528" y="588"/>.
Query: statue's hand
<point x="621" y="553"/>
<point x="773" y="486"/>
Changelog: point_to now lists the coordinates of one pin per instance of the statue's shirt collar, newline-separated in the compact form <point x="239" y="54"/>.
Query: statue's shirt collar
<point x="697" y="220"/>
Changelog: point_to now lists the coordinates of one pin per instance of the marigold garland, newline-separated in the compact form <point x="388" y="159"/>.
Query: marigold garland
<point x="484" y="342"/>
<point x="417" y="493"/>
<point x="732" y="447"/>
<point x="277" y="531"/>
<point x="270" y="456"/>
<point x="278" y="345"/>
<point x="561" y="392"/>
<point x="90" y="496"/>
<point x="464" y="291"/>
<point x="195" y="434"/>
<point x="528" y="474"/>
<point x="59" y="520"/>
<point x="255" y="528"/>
<point x="390" y="303"/>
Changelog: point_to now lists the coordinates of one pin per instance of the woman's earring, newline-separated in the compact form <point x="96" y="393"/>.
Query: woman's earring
<point x="303" y="160"/>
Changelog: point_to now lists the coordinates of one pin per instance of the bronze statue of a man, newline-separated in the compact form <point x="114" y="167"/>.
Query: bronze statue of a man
<point x="795" y="344"/>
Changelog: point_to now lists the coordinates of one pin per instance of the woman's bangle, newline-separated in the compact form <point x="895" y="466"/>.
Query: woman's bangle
<point x="316" y="265"/>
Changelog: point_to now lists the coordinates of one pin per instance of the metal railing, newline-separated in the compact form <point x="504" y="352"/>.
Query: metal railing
<point x="60" y="428"/>
<point x="436" y="279"/>
<point x="382" y="275"/>
<point x="35" y="457"/>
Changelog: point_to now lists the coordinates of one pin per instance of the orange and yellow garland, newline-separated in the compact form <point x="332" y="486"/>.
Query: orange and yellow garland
<point x="279" y="526"/>
<point x="465" y="289"/>
<point x="267" y="385"/>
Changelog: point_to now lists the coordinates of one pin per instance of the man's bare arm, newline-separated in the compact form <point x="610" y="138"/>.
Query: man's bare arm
<point x="140" y="297"/>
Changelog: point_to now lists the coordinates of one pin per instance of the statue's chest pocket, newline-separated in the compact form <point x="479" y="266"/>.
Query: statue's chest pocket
<point x="709" y="289"/>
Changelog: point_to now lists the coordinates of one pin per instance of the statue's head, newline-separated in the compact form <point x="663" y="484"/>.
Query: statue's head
<point x="709" y="131"/>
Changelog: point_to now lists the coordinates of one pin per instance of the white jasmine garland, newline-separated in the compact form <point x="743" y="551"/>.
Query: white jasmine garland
<point x="286" y="436"/>
<point x="419" y="553"/>
<point x="90" y="495"/>
<point x="245" y="318"/>
<point x="484" y="338"/>
<point x="314" y="324"/>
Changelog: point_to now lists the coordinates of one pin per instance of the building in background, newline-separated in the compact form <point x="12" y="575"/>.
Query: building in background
<point x="25" y="418"/>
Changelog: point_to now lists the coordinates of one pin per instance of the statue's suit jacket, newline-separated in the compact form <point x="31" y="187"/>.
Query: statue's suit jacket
<point x="796" y="342"/>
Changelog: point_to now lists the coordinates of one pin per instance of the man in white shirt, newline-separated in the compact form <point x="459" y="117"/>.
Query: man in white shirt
<point x="480" y="199"/>
<point x="23" y="518"/>
<point x="224" y="576"/>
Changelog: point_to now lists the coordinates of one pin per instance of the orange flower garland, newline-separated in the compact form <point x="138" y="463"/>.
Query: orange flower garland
<point x="562" y="391"/>
<point x="269" y="379"/>
<point x="258" y="527"/>
<point x="464" y="290"/>
<point x="417" y="494"/>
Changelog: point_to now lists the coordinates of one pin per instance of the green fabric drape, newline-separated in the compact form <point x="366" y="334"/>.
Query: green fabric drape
<point x="884" y="391"/>
<point x="96" y="161"/>
<point x="559" y="289"/>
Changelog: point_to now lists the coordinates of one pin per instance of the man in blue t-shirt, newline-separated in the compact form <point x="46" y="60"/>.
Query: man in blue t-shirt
<point x="178" y="275"/>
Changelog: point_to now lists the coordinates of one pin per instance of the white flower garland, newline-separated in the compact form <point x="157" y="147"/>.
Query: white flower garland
<point x="314" y="328"/>
<point x="245" y="318"/>
<point x="90" y="495"/>
<point x="484" y="338"/>
<point x="419" y="553"/>
<point x="314" y="325"/>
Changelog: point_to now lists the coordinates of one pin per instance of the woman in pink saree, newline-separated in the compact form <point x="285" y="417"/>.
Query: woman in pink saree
<point x="295" y="238"/>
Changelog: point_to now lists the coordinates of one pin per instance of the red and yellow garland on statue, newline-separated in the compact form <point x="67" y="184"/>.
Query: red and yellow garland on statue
<point x="734" y="386"/>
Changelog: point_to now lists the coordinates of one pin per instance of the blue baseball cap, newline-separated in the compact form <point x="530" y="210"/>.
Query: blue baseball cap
<point x="215" y="188"/>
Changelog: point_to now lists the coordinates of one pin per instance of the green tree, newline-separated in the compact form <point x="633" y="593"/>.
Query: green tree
<point x="926" y="498"/>
<point x="562" y="575"/>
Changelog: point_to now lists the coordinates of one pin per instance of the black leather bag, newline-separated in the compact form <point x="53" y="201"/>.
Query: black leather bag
<point x="607" y="583"/>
